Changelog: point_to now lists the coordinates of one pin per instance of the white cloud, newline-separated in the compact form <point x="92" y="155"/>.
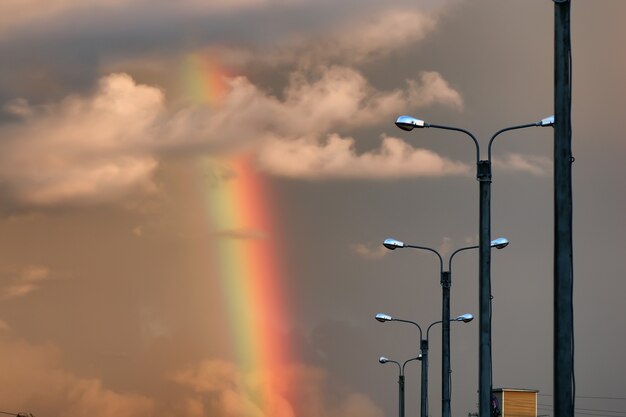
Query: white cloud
<point x="363" y="38"/>
<point x="33" y="379"/>
<point x="236" y="392"/>
<point x="105" y="146"/>
<point x="243" y="234"/>
<point x="26" y="281"/>
<point x="21" y="14"/>
<point x="378" y="35"/>
<point x="446" y="246"/>
<point x="433" y="89"/>
<point x="532" y="164"/>
<point x="17" y="13"/>
<point x="221" y="389"/>
<point x="83" y="149"/>
<point x="313" y="103"/>
<point x="368" y="251"/>
<point x="18" y="107"/>
<point x="32" y="376"/>
<point x="337" y="158"/>
<point x="357" y="405"/>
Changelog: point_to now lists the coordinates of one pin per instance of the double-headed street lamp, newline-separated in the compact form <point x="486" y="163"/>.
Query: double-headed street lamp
<point x="446" y="282"/>
<point x="384" y="360"/>
<point x="483" y="174"/>
<point x="465" y="318"/>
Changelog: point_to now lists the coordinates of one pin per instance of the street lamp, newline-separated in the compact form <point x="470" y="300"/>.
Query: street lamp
<point x="446" y="283"/>
<point x="483" y="174"/>
<point x="384" y="360"/>
<point x="465" y="318"/>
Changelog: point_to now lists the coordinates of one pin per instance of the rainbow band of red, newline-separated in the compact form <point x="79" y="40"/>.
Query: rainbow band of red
<point x="252" y="282"/>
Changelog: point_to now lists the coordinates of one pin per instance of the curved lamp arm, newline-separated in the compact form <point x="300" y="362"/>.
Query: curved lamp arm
<point x="457" y="251"/>
<point x="409" y="123"/>
<point x="385" y="360"/>
<point x="430" y="250"/>
<point x="393" y="244"/>
<point x="458" y="129"/>
<point x="412" y="322"/>
<point x="431" y="325"/>
<point x="499" y="243"/>
<point x="548" y="121"/>
<point x="382" y="317"/>
<point x="407" y="361"/>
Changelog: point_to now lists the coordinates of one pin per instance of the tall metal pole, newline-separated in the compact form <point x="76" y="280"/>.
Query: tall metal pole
<point x="563" y="251"/>
<point x="401" y="394"/>
<point x="483" y="174"/>
<point x="424" y="399"/>
<point x="446" y="282"/>
<point x="484" y="291"/>
<point x="445" y="349"/>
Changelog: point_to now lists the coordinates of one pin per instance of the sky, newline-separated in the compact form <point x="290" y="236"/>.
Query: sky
<point x="193" y="197"/>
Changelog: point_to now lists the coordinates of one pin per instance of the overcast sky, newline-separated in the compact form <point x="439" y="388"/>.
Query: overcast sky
<point x="193" y="196"/>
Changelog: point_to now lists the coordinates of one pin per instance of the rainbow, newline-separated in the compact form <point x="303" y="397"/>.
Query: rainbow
<point x="203" y="78"/>
<point x="246" y="258"/>
<point x="250" y="277"/>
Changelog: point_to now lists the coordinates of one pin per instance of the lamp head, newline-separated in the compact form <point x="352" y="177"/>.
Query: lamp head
<point x="382" y="359"/>
<point x="465" y="318"/>
<point x="500" y="243"/>
<point x="419" y="357"/>
<point x="383" y="317"/>
<point x="409" y="123"/>
<point x="392" y="244"/>
<point x="548" y="121"/>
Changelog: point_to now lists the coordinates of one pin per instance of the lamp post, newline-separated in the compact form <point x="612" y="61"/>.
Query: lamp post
<point x="483" y="174"/>
<point x="446" y="283"/>
<point x="384" y="360"/>
<point x="465" y="318"/>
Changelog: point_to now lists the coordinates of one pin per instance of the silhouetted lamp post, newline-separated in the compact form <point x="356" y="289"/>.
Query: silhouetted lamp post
<point x="465" y="318"/>
<point x="384" y="360"/>
<point x="483" y="174"/>
<point x="446" y="283"/>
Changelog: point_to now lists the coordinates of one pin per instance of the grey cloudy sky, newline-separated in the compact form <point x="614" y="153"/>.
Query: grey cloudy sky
<point x="118" y="116"/>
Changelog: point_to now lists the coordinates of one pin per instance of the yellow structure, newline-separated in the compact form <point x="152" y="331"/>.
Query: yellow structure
<point x="513" y="402"/>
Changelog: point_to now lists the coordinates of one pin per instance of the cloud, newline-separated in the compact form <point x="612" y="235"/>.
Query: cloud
<point x="222" y="389"/>
<point x="431" y="89"/>
<point x="363" y="38"/>
<point x="449" y="245"/>
<point x="374" y="36"/>
<point x="532" y="164"/>
<point x="18" y="14"/>
<point x="357" y="405"/>
<point x="18" y="107"/>
<point x="33" y="380"/>
<point x="314" y="102"/>
<point x="105" y="146"/>
<point x="446" y="246"/>
<point x="26" y="281"/>
<point x="83" y="149"/>
<point x="337" y="158"/>
<point x="368" y="251"/>
<point x="241" y="234"/>
<point x="231" y="393"/>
